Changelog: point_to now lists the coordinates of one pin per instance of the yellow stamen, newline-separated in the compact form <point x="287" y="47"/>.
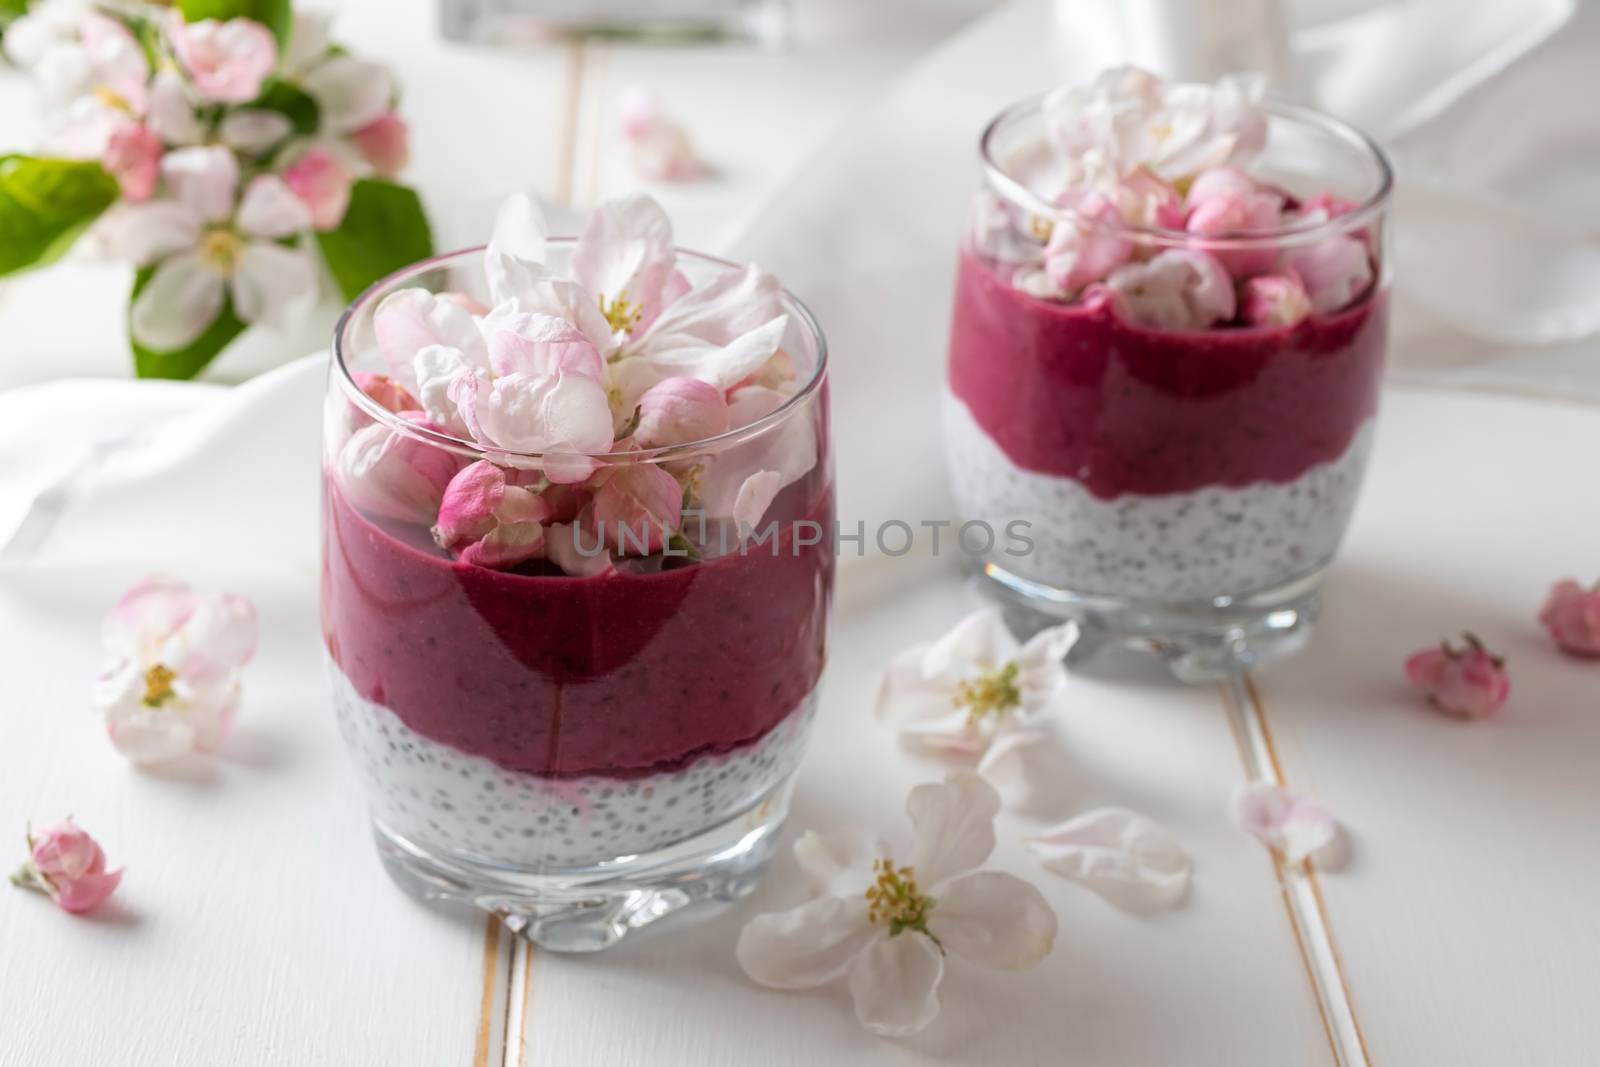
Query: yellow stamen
<point x="621" y="314"/>
<point x="158" y="684"/>
<point x="112" y="99"/>
<point x="219" y="251"/>
<point x="991" y="693"/>
<point x="1041" y="228"/>
<point x="895" y="899"/>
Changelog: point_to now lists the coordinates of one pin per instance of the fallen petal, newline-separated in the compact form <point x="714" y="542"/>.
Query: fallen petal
<point x="895" y="984"/>
<point x="993" y="919"/>
<point x="1129" y="860"/>
<point x="1295" y="827"/>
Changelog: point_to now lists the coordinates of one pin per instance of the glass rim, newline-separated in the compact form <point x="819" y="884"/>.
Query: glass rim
<point x="1364" y="213"/>
<point x="792" y="305"/>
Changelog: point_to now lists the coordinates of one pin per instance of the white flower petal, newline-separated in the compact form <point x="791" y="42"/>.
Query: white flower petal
<point x="790" y="448"/>
<point x="143" y="233"/>
<point x="408" y="321"/>
<point x="253" y="130"/>
<point x="895" y="984"/>
<point x="309" y="41"/>
<point x="1005" y="762"/>
<point x="805" y="946"/>
<point x="436" y="371"/>
<point x="349" y="92"/>
<point x="954" y="825"/>
<point x="729" y="306"/>
<point x="838" y="862"/>
<point x="755" y="496"/>
<point x="567" y="413"/>
<point x="1295" y="826"/>
<point x="270" y="209"/>
<point x="392" y="474"/>
<point x="993" y="919"/>
<point x="724" y="366"/>
<point x="147" y="614"/>
<point x="170" y="113"/>
<point x="273" y="286"/>
<point x="204" y="179"/>
<point x="209" y="713"/>
<point x="149" y="735"/>
<point x="180" y="301"/>
<point x="1133" y="862"/>
<point x="625" y="251"/>
<point x="218" y="638"/>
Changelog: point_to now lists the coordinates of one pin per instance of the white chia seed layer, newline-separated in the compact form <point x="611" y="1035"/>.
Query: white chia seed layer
<point x="471" y="807"/>
<point x="1206" y="543"/>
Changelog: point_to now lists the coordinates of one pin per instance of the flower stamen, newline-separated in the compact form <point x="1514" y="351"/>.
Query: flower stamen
<point x="621" y="314"/>
<point x="991" y="693"/>
<point x="895" y="899"/>
<point x="219" y="251"/>
<point x="158" y="685"/>
<point x="112" y="99"/>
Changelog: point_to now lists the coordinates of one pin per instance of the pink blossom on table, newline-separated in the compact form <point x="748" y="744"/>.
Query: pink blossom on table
<point x="385" y="143"/>
<point x="226" y="61"/>
<point x="1468" y="682"/>
<point x="678" y="410"/>
<point x="69" y="866"/>
<point x="1572" y="616"/>
<point x="1179" y="289"/>
<point x="637" y="508"/>
<point x="1294" y="826"/>
<point x="1274" y="300"/>
<point x="133" y="157"/>
<point x="658" y="147"/>
<point x="173" y="682"/>
<point x="578" y="553"/>
<point x="323" y="184"/>
<point x="1089" y="247"/>
<point x="492" y="517"/>
<point x="391" y="474"/>
<point x="1334" y="271"/>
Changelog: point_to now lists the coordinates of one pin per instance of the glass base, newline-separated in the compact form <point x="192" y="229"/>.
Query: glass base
<point x="1199" y="640"/>
<point x="589" y="909"/>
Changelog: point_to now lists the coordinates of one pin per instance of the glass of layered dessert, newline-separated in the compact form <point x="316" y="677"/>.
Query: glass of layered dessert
<point x="577" y="566"/>
<point x="1169" y="329"/>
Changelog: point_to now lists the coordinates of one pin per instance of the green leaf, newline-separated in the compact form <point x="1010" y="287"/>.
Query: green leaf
<point x="383" y="230"/>
<point x="45" y="204"/>
<point x="275" y="15"/>
<point x="293" y="103"/>
<point x="10" y="11"/>
<point x="186" y="362"/>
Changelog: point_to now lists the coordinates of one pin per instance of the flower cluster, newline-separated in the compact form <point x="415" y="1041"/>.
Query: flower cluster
<point x="619" y="353"/>
<point x="231" y="150"/>
<point x="173" y="681"/>
<point x="1132" y="155"/>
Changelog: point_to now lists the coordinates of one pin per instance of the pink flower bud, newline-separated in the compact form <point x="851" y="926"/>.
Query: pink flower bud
<point x="1225" y="202"/>
<point x="637" y="509"/>
<point x="226" y="61"/>
<point x="1275" y="300"/>
<point x="1469" y="682"/>
<point x="323" y="184"/>
<point x="1088" y="248"/>
<point x="1334" y="272"/>
<point x="68" y="864"/>
<point x="133" y="157"/>
<point x="385" y="143"/>
<point x="492" y="517"/>
<point x="679" y="410"/>
<point x="1146" y="200"/>
<point x="1572" y="615"/>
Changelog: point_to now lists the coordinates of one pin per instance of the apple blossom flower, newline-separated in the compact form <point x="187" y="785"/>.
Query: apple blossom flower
<point x="42" y="27"/>
<point x="74" y="53"/>
<point x="69" y="866"/>
<point x="323" y="184"/>
<point x="1089" y="246"/>
<point x="1572" y="615"/>
<point x="1334" y="271"/>
<point x="1297" y="828"/>
<point x="658" y="147"/>
<point x="491" y="517"/>
<point x="226" y="61"/>
<point x="891" y="925"/>
<point x="1225" y="202"/>
<point x="207" y="248"/>
<point x="389" y="473"/>
<point x="385" y="143"/>
<point x="678" y="410"/>
<point x="173" y="682"/>
<point x="637" y="508"/>
<point x="1179" y="289"/>
<point x="1468" y="682"/>
<point x="1275" y="300"/>
<point x="133" y="157"/>
<point x="1131" y="861"/>
<point x="976" y="693"/>
<point x="1145" y="200"/>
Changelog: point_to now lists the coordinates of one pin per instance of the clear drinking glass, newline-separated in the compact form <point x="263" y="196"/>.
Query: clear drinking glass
<point x="580" y="755"/>
<point x="1183" y="491"/>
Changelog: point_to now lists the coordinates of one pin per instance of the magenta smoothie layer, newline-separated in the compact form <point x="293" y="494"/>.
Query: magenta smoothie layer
<point x="623" y="675"/>
<point x="1073" y="390"/>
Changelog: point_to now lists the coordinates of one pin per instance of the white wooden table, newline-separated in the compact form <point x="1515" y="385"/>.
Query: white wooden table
<point x="255" y="926"/>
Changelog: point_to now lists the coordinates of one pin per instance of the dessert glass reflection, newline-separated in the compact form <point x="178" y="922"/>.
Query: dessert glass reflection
<point x="1169" y="329"/>
<point x="574" y="690"/>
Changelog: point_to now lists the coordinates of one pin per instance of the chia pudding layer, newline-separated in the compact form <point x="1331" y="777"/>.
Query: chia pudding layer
<point x="1158" y="464"/>
<point x="523" y="716"/>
